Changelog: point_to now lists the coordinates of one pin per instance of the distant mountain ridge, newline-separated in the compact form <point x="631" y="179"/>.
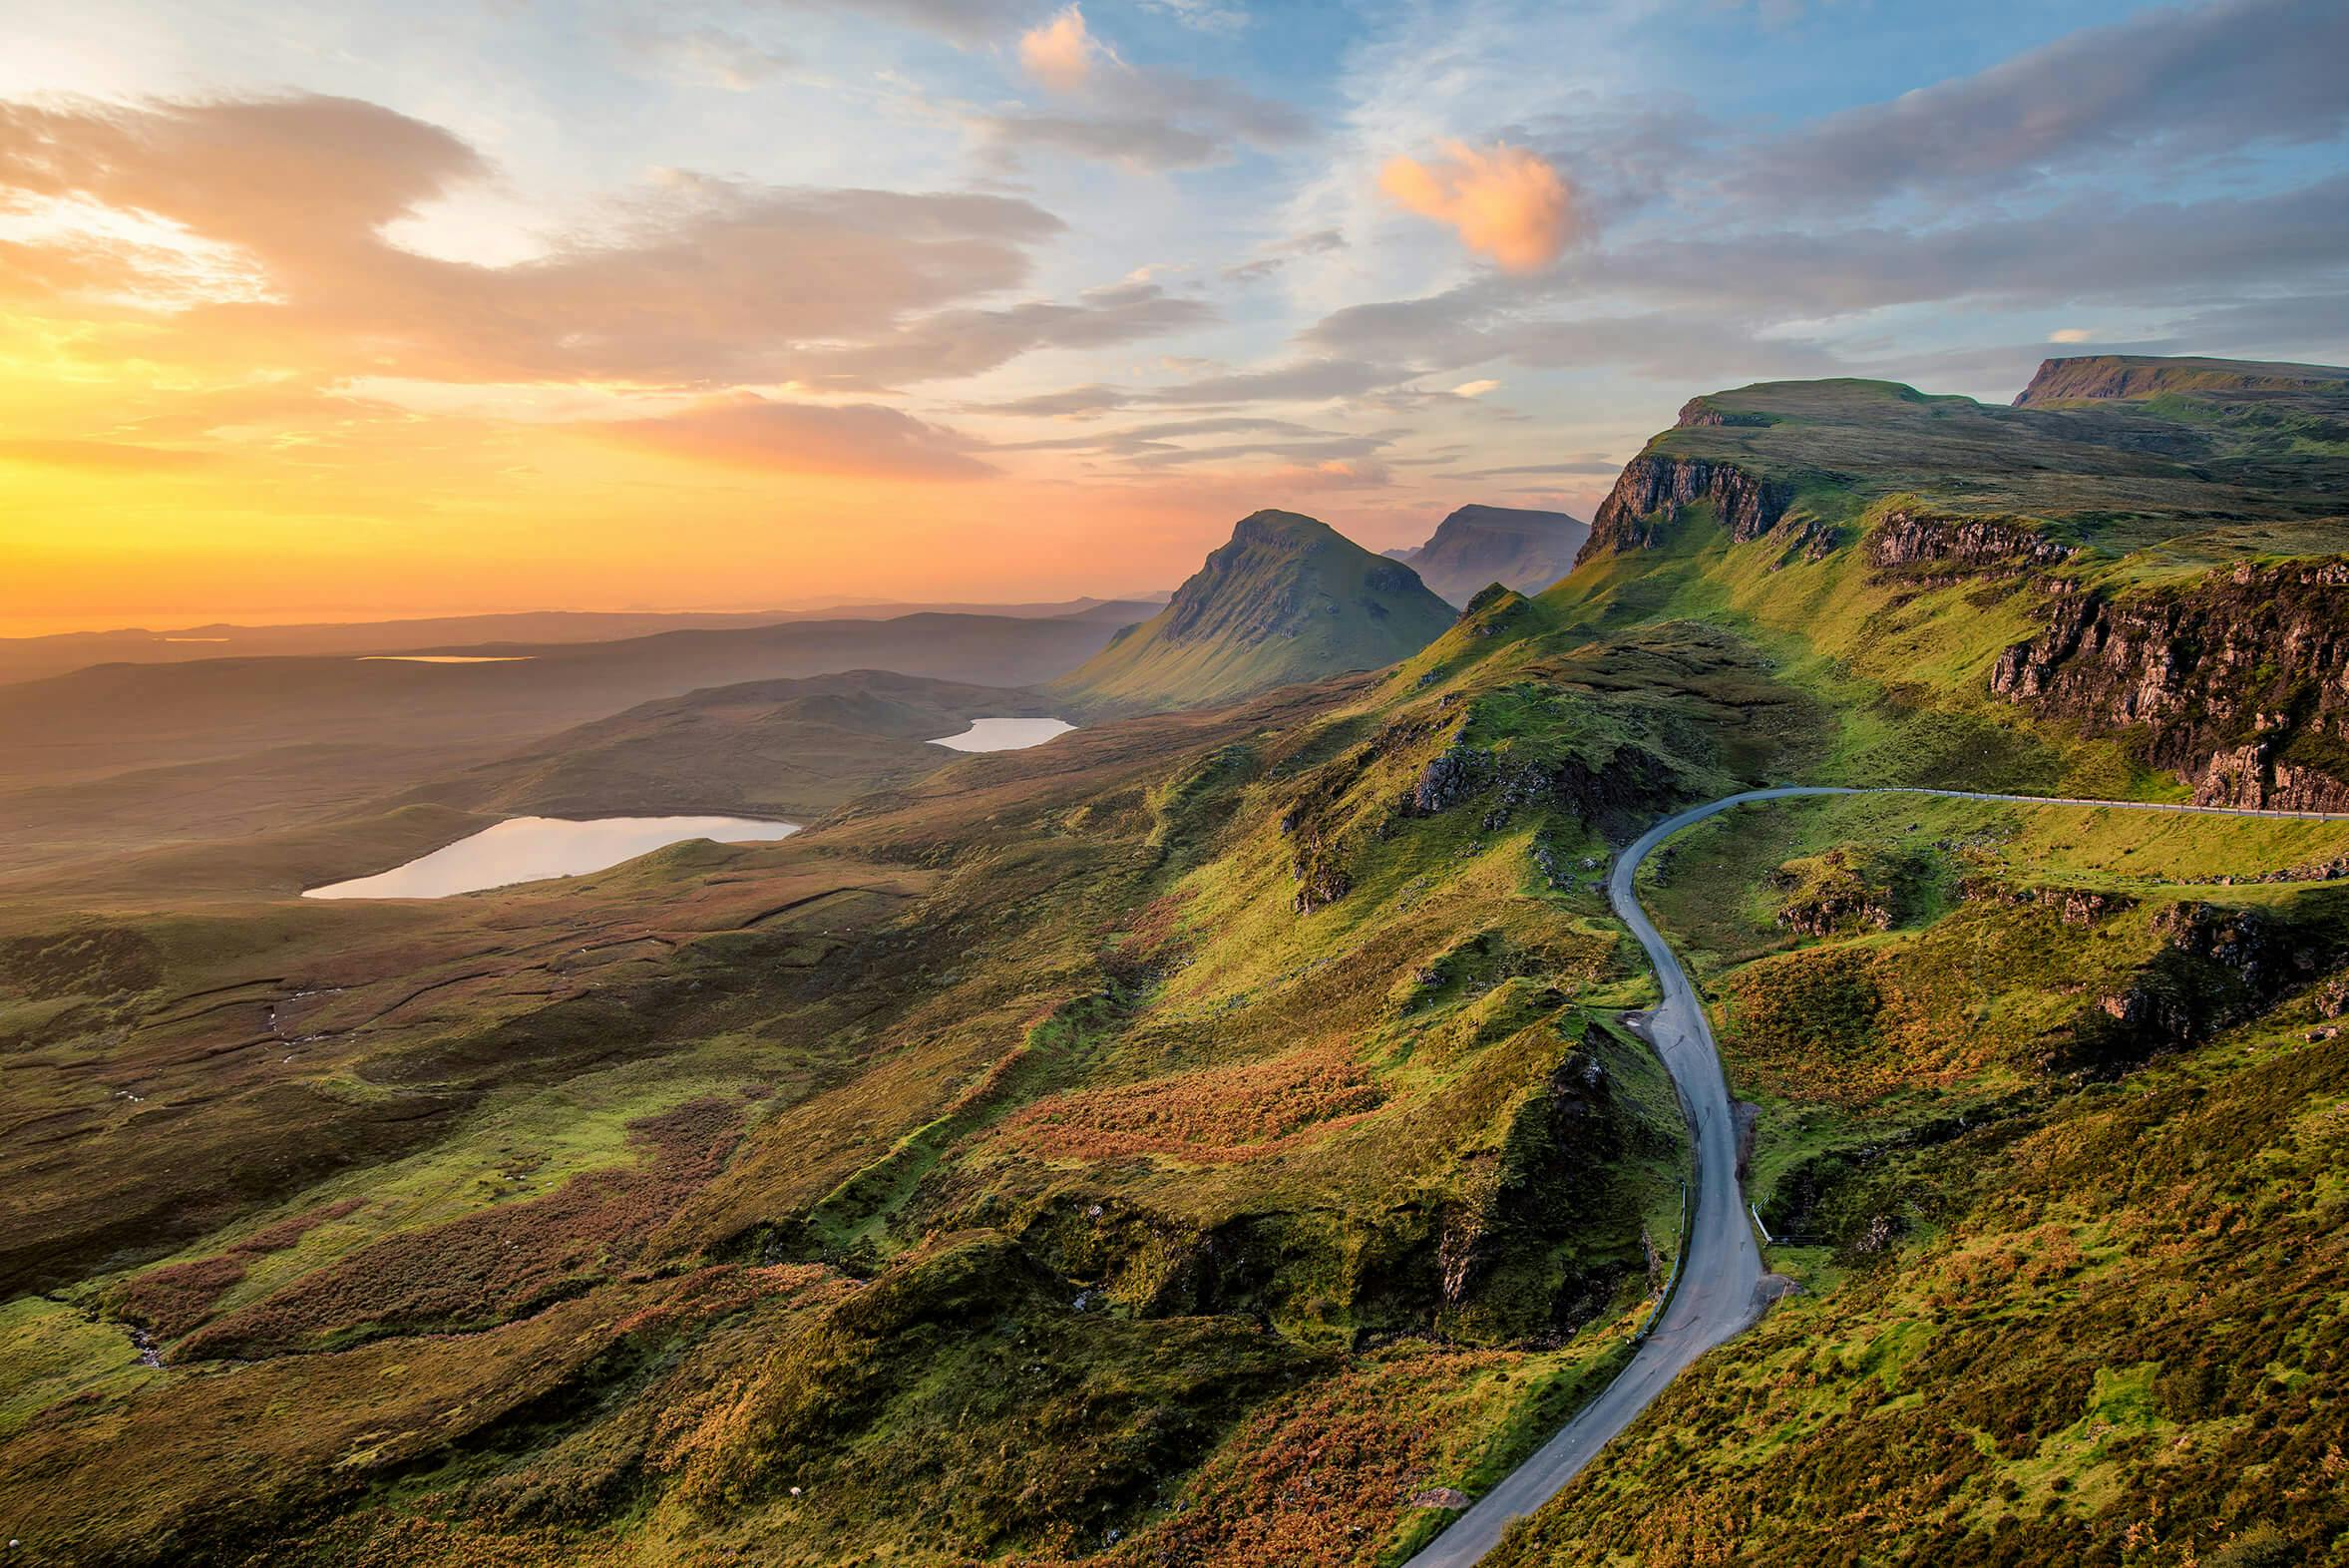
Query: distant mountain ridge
<point x="2147" y="375"/>
<point x="1288" y="599"/>
<point x="1476" y="545"/>
<point x="58" y="653"/>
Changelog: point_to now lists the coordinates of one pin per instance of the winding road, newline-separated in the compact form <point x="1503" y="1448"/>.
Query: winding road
<point x="1723" y="1287"/>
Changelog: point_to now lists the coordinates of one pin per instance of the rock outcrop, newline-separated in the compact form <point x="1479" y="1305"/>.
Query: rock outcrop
<point x="2218" y="965"/>
<point x="1700" y="413"/>
<point x="2239" y="682"/>
<point x="1654" y="490"/>
<point x="1912" y="542"/>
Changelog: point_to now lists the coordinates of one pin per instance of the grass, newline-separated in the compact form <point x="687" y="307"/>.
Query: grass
<point x="1207" y="1138"/>
<point x="1288" y="599"/>
<point x="2042" y="1318"/>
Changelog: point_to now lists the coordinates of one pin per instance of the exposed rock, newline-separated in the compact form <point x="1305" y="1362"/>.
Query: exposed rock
<point x="1654" y="490"/>
<point x="1700" y="412"/>
<point x="1908" y="540"/>
<point x="2075" y="906"/>
<point x="1453" y="778"/>
<point x="2231" y="681"/>
<point x="2221" y="965"/>
<point x="1319" y="882"/>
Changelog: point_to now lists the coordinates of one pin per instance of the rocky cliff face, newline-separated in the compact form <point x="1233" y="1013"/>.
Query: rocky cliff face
<point x="1654" y="490"/>
<point x="2239" y="682"/>
<point x="1913" y="543"/>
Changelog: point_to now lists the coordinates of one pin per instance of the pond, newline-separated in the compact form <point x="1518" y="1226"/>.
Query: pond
<point x="532" y="848"/>
<point x="1004" y="735"/>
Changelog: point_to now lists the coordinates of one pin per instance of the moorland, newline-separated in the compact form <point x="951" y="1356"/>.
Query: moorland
<point x="1214" y="1136"/>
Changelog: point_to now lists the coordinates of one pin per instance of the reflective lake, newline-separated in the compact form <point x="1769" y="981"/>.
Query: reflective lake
<point x="442" y="659"/>
<point x="1004" y="735"/>
<point x="531" y="848"/>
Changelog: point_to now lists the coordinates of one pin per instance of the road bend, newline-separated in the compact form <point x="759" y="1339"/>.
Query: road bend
<point x="1721" y="1288"/>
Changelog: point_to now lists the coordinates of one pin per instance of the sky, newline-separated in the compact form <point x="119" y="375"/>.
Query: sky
<point x="372" y="310"/>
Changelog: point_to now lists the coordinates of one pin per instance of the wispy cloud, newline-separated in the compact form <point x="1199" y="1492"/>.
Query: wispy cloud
<point x="862" y="440"/>
<point x="2174" y="81"/>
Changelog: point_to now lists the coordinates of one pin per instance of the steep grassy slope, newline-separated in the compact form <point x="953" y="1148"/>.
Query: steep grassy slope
<point x="2087" y="597"/>
<point x="2050" y="1131"/>
<point x="1208" y="1140"/>
<point x="1288" y="599"/>
<point x="1475" y="546"/>
<point x="1050" y="1147"/>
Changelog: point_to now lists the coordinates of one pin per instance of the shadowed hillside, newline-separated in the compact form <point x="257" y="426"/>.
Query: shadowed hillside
<point x="793" y="748"/>
<point x="1477" y="545"/>
<point x="1288" y="599"/>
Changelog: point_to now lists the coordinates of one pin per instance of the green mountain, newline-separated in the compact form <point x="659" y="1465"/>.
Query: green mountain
<point x="1289" y="599"/>
<point x="1477" y="545"/>
<point x="2148" y="376"/>
<point x="1215" y="1138"/>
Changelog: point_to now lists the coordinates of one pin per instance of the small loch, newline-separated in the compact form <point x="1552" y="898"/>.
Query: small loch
<point x="1004" y="735"/>
<point x="533" y="849"/>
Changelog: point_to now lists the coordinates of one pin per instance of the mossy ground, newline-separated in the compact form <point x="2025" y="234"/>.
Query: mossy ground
<point x="1205" y="1141"/>
<point x="2049" y="1320"/>
<point x="1017" y="1146"/>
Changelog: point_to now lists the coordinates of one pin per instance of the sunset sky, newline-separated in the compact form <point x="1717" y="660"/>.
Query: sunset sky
<point x="369" y="309"/>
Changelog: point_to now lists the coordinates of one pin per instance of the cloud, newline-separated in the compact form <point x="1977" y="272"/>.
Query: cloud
<point x="707" y="56"/>
<point x="2069" y="336"/>
<point x="1765" y="302"/>
<point x="967" y="342"/>
<point x="2187" y="82"/>
<point x="1600" y="466"/>
<point x="100" y="456"/>
<point x="1205" y="16"/>
<point x="1137" y="440"/>
<point x="969" y="23"/>
<point x="1058" y="52"/>
<point x="1149" y="119"/>
<point x="864" y="440"/>
<point x="1307" y="380"/>
<point x="1475" y="388"/>
<point x="1334" y="473"/>
<point x="700" y="282"/>
<point x="1275" y="258"/>
<point x="1505" y="201"/>
<point x="1073" y="403"/>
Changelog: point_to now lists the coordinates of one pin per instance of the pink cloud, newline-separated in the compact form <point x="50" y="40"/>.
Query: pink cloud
<point x="1058" y="52"/>
<point x="1505" y="201"/>
<point x="864" y="440"/>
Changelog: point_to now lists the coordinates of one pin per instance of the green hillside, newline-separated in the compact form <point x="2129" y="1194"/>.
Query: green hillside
<point x="1213" y="1139"/>
<point x="1289" y="599"/>
<point x="2052" y="1143"/>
